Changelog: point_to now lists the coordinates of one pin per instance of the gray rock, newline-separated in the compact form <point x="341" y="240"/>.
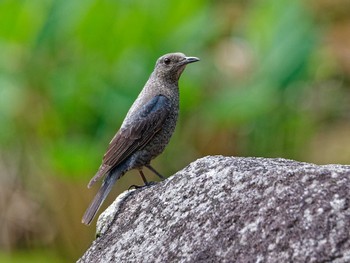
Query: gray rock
<point x="227" y="209"/>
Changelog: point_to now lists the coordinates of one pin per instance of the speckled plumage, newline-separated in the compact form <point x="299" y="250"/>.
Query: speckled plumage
<point x="146" y="129"/>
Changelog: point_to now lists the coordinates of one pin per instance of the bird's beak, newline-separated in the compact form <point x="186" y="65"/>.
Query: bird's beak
<point x="189" y="60"/>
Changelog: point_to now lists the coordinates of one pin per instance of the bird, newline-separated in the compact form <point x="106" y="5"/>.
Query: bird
<point x="145" y="131"/>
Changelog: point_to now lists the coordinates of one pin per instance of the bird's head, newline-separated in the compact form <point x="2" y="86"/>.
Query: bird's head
<point x="170" y="66"/>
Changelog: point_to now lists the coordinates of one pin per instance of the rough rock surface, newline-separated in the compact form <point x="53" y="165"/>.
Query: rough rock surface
<point x="226" y="209"/>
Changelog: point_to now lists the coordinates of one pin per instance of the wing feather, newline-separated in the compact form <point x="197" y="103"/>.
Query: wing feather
<point x="135" y="135"/>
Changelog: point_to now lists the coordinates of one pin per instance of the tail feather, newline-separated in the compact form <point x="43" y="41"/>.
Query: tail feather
<point x="99" y="198"/>
<point x="101" y="172"/>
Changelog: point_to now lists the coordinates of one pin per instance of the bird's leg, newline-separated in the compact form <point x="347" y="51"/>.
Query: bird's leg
<point x="143" y="177"/>
<point x="155" y="171"/>
<point x="146" y="183"/>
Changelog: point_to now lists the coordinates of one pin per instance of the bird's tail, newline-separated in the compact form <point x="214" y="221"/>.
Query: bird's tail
<point x="100" y="197"/>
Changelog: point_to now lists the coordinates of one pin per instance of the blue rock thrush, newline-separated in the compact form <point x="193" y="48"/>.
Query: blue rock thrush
<point x="146" y="129"/>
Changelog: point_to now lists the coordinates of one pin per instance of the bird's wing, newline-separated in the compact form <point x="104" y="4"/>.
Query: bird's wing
<point x="135" y="135"/>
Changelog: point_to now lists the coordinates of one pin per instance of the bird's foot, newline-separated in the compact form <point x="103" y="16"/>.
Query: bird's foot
<point x="151" y="183"/>
<point x="141" y="186"/>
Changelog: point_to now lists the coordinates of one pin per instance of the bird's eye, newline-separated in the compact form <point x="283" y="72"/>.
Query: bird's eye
<point x="167" y="61"/>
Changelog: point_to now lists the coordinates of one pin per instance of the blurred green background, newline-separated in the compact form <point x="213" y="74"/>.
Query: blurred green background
<point x="273" y="81"/>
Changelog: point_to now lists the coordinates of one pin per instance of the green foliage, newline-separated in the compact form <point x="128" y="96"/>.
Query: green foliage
<point x="73" y="68"/>
<point x="282" y="36"/>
